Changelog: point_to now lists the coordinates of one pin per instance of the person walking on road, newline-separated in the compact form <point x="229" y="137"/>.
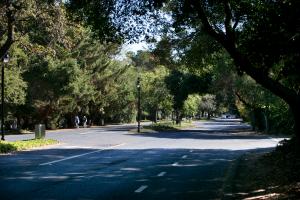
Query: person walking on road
<point x="84" y="120"/>
<point x="77" y="121"/>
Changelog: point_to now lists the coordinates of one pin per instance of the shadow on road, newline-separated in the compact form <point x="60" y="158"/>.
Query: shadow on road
<point x="203" y="135"/>
<point x="210" y="130"/>
<point x="116" y="174"/>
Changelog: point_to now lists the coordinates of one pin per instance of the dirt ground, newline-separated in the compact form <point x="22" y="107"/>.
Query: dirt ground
<point x="274" y="175"/>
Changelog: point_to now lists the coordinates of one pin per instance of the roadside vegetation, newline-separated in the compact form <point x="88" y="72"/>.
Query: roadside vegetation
<point x="167" y="126"/>
<point x="59" y="69"/>
<point x="268" y="175"/>
<point x="7" y="147"/>
<point x="207" y="58"/>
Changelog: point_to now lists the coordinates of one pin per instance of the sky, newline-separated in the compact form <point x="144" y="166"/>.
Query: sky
<point x="132" y="48"/>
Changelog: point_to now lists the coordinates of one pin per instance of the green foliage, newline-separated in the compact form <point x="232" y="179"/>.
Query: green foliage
<point x="162" y="127"/>
<point x="198" y="105"/>
<point x="15" y="87"/>
<point x="58" y="70"/>
<point x="265" y="111"/>
<point x="182" y="84"/>
<point x="95" y="14"/>
<point x="261" y="38"/>
<point x="120" y="105"/>
<point x="144" y="59"/>
<point x="6" y="147"/>
<point x="191" y="105"/>
<point x="208" y="104"/>
<point x="167" y="126"/>
<point x="155" y="95"/>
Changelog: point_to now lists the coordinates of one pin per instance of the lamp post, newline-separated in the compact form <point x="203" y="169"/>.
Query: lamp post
<point x="138" y="85"/>
<point x="5" y="60"/>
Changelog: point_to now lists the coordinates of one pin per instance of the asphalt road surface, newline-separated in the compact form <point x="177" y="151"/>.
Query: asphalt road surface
<point x="114" y="163"/>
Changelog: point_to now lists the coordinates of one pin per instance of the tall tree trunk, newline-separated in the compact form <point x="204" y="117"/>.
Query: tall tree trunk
<point x="155" y="116"/>
<point x="295" y="109"/>
<point x="288" y="95"/>
<point x="178" y="117"/>
<point x="266" y="122"/>
<point x="243" y="64"/>
<point x="9" y="32"/>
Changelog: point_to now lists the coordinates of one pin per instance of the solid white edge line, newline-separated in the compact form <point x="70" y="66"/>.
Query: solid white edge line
<point x="71" y="157"/>
<point x="141" y="189"/>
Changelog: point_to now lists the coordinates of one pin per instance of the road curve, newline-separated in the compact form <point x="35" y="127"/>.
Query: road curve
<point x="114" y="163"/>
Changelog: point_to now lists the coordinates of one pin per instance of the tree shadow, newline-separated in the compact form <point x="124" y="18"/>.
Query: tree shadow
<point x="211" y="130"/>
<point x="203" y="134"/>
<point x="116" y="174"/>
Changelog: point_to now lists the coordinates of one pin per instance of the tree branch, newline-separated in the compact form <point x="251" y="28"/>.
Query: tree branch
<point x="262" y="78"/>
<point x="242" y="63"/>
<point x="220" y="37"/>
<point x="237" y="20"/>
<point x="243" y="100"/>
<point x="228" y="20"/>
<point x="10" y="30"/>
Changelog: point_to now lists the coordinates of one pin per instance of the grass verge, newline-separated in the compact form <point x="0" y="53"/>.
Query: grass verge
<point x="167" y="126"/>
<point x="273" y="175"/>
<point x="6" y="147"/>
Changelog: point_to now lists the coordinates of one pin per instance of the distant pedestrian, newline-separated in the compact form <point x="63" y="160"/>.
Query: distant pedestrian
<point x="77" y="121"/>
<point x="84" y="121"/>
<point x="14" y="125"/>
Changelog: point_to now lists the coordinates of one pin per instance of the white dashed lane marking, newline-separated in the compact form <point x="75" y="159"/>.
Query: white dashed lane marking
<point x="161" y="174"/>
<point x="80" y="155"/>
<point x="84" y="133"/>
<point x="141" y="189"/>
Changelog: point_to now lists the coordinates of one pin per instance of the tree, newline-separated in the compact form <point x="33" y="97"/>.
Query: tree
<point x="15" y="86"/>
<point x="265" y="111"/>
<point x="113" y="81"/>
<point x="182" y="84"/>
<point x="260" y="36"/>
<point x="97" y="16"/>
<point x="155" y="95"/>
<point x="207" y="104"/>
<point x="22" y="18"/>
<point x="191" y="105"/>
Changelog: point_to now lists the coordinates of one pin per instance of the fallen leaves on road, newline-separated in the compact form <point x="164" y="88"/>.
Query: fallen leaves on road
<point x="269" y="176"/>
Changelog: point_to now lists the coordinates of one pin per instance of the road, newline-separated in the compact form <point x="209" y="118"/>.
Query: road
<point x="114" y="163"/>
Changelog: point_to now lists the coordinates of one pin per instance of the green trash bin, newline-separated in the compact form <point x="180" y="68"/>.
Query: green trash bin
<point x="39" y="131"/>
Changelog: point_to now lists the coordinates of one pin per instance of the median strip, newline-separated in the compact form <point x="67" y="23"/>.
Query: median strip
<point x="80" y="155"/>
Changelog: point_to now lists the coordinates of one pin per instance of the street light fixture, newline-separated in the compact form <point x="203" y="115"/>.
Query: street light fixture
<point x="5" y="60"/>
<point x="138" y="85"/>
